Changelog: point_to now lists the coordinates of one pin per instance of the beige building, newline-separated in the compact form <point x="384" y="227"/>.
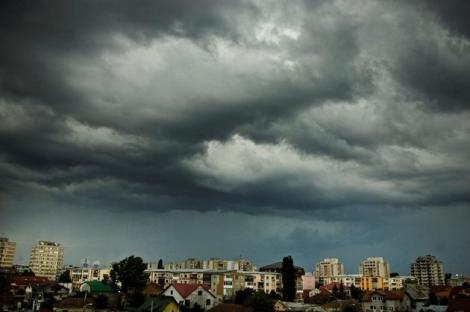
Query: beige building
<point x="327" y="268"/>
<point x="428" y="271"/>
<point x="47" y="259"/>
<point x="80" y="275"/>
<point x="374" y="267"/>
<point x="7" y="252"/>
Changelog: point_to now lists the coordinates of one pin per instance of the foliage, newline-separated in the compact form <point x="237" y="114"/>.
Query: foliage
<point x="288" y="279"/>
<point x="318" y="299"/>
<point x="130" y="272"/>
<point x="160" y="264"/>
<point x="260" y="302"/>
<point x="105" y="279"/>
<point x="274" y="295"/>
<point x="65" y="277"/>
<point x="349" y="308"/>
<point x="101" y="302"/>
<point x="356" y="293"/>
<point x="242" y="295"/>
<point x="195" y="308"/>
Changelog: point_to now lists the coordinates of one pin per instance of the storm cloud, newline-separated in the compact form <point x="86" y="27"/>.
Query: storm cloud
<point x="314" y="128"/>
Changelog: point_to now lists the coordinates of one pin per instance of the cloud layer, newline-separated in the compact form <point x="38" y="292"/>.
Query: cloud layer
<point x="334" y="112"/>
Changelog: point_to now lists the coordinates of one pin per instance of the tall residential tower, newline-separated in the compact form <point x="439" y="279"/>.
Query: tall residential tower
<point x="47" y="259"/>
<point x="7" y="252"/>
<point x="428" y="271"/>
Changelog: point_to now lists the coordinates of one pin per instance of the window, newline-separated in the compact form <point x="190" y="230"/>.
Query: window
<point x="208" y="302"/>
<point x="171" y="292"/>
<point x="199" y="292"/>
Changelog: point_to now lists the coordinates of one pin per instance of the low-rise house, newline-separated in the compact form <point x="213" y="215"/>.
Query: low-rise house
<point x="96" y="288"/>
<point x="418" y="295"/>
<point x="75" y="305"/>
<point x="386" y="301"/>
<point x="339" y="305"/>
<point x="159" y="304"/>
<point x="190" y="295"/>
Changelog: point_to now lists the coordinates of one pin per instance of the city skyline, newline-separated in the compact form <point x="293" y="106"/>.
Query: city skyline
<point x="171" y="129"/>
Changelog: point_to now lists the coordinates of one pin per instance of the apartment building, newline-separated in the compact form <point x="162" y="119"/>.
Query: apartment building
<point x="7" y="252"/>
<point x="374" y="267"/>
<point x="47" y="259"/>
<point x="327" y="268"/>
<point x="210" y="264"/>
<point x="80" y="275"/>
<point x="428" y="271"/>
<point x="347" y="280"/>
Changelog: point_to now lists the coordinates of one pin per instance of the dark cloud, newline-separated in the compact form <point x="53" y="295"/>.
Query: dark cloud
<point x="266" y="110"/>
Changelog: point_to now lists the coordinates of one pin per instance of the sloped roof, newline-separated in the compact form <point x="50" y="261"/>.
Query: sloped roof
<point x="96" y="286"/>
<point x="459" y="304"/>
<point x="73" y="303"/>
<point x="387" y="295"/>
<point x="159" y="304"/>
<point x="187" y="289"/>
<point x="29" y="280"/>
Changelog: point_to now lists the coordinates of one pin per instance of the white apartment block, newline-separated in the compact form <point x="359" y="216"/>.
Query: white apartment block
<point x="374" y="267"/>
<point x="80" y="275"/>
<point x="328" y="267"/>
<point x="428" y="271"/>
<point x="347" y="280"/>
<point x="7" y="252"/>
<point x="222" y="283"/>
<point x="47" y="259"/>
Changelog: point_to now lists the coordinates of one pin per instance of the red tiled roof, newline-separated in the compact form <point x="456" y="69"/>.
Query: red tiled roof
<point x="459" y="304"/>
<point x="187" y="289"/>
<point x="73" y="303"/>
<point x="28" y="280"/>
<point x="331" y="286"/>
<point x="394" y="295"/>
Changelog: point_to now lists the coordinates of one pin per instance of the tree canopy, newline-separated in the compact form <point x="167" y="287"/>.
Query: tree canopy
<point x="130" y="273"/>
<point x="65" y="277"/>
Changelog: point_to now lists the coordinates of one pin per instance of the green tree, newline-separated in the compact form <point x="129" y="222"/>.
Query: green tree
<point x="242" y="295"/>
<point x="105" y="279"/>
<point x="356" y="293"/>
<point x="394" y="274"/>
<point x="130" y="273"/>
<point x="260" y="302"/>
<point x="65" y="277"/>
<point x="160" y="264"/>
<point x="288" y="279"/>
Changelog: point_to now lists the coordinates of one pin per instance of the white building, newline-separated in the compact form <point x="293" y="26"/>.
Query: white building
<point x="47" y="259"/>
<point x="191" y="294"/>
<point x="328" y="267"/>
<point x="374" y="267"/>
<point x="386" y="301"/>
<point x="347" y="280"/>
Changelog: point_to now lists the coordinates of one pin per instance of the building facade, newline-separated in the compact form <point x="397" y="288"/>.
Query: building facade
<point x="327" y="268"/>
<point x="428" y="271"/>
<point x="47" y="258"/>
<point x="374" y="267"/>
<point x="7" y="252"/>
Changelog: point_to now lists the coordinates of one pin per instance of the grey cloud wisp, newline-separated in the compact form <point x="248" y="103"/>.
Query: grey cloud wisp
<point x="347" y="120"/>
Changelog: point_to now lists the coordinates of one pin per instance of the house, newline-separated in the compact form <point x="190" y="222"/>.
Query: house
<point x="335" y="289"/>
<point x="152" y="290"/>
<point x="96" y="289"/>
<point x="386" y="301"/>
<point x="159" y="304"/>
<point x="418" y="294"/>
<point x="75" y="305"/>
<point x="191" y="294"/>
<point x="339" y="305"/>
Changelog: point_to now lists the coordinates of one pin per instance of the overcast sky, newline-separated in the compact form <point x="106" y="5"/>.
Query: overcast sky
<point x="174" y="129"/>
